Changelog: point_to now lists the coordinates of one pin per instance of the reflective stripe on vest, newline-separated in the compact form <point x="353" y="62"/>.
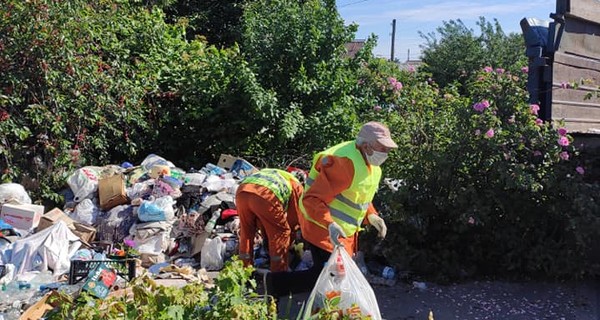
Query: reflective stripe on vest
<point x="348" y="208"/>
<point x="275" y="180"/>
<point x="340" y="197"/>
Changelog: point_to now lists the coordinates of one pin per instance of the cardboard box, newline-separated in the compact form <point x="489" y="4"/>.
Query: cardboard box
<point x="226" y="161"/>
<point x="86" y="233"/>
<point x="111" y="192"/>
<point x="22" y="216"/>
<point x="52" y="217"/>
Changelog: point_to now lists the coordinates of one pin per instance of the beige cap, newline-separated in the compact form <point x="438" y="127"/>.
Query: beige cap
<point x="375" y="131"/>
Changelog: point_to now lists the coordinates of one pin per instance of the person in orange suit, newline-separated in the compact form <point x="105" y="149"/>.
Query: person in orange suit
<point x="268" y="201"/>
<point x="336" y="202"/>
<point x="340" y="187"/>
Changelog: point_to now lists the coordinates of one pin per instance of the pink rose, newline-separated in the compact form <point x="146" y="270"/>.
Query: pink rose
<point x="534" y="108"/>
<point x="490" y="133"/>
<point x="564" y="155"/>
<point x="562" y="132"/>
<point x="580" y="170"/>
<point x="563" y="141"/>
<point x="482" y="105"/>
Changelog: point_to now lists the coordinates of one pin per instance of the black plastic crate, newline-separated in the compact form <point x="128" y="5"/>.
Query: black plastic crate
<point x="81" y="268"/>
<point x="2" y="270"/>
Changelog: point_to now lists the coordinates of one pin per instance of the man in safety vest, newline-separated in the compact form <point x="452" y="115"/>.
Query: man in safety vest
<point x="339" y="190"/>
<point x="268" y="200"/>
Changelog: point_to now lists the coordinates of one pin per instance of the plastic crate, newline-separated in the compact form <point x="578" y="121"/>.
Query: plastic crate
<point x="2" y="270"/>
<point x="81" y="268"/>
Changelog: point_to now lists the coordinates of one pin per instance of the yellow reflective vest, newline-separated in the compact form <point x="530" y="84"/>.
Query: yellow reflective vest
<point x="278" y="181"/>
<point x="349" y="208"/>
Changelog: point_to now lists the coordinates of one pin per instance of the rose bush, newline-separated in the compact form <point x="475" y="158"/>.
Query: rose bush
<point x="487" y="187"/>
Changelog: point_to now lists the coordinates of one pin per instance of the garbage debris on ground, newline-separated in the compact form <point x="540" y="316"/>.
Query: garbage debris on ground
<point x="121" y="221"/>
<point x="118" y="221"/>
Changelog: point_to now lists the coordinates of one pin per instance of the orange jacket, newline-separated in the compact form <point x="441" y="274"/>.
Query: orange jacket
<point x="335" y="175"/>
<point x="292" y="211"/>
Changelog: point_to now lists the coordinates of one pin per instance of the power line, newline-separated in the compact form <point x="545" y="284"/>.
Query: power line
<point x="351" y="3"/>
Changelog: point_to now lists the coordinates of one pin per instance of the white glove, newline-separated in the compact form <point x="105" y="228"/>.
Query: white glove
<point x="378" y="223"/>
<point x="335" y="231"/>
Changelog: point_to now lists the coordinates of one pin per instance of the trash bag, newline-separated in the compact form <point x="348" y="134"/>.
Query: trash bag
<point x="84" y="182"/>
<point x="86" y="212"/>
<point x="154" y="160"/>
<point x="341" y="288"/>
<point x="114" y="225"/>
<point x="160" y="209"/>
<point x="13" y="192"/>
<point x="213" y="253"/>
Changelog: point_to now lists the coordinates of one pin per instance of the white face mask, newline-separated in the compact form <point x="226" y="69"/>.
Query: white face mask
<point x="377" y="158"/>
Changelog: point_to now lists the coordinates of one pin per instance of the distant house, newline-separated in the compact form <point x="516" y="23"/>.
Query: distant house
<point x="353" y="47"/>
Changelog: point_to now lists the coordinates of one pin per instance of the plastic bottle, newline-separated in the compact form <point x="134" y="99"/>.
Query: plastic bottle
<point x="385" y="272"/>
<point x="210" y="225"/>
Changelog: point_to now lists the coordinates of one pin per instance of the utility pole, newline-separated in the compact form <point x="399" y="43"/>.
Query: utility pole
<point x="393" y="38"/>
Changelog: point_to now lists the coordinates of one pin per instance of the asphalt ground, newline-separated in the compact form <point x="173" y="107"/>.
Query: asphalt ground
<point x="478" y="300"/>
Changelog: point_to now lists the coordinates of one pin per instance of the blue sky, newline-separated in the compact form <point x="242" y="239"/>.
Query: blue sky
<point x="412" y="16"/>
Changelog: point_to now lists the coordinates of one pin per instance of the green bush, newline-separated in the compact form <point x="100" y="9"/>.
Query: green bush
<point x="95" y="83"/>
<point x="488" y="188"/>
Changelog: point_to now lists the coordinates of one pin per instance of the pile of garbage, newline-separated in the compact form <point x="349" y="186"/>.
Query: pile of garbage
<point x="120" y="221"/>
<point x="122" y="218"/>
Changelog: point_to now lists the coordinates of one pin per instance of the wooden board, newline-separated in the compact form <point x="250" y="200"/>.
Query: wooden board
<point x="577" y="60"/>
<point x="583" y="9"/>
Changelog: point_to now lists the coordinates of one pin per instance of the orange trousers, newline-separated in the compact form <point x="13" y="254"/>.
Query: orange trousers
<point x="266" y="212"/>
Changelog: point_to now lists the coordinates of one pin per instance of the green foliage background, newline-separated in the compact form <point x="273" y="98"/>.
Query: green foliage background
<point x="113" y="80"/>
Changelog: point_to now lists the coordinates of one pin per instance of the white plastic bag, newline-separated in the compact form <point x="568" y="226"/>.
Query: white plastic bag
<point x="13" y="192"/>
<point x="140" y="189"/>
<point x="153" y="160"/>
<point x="341" y="287"/>
<point x="85" y="212"/>
<point x="212" y="254"/>
<point x="84" y="182"/>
